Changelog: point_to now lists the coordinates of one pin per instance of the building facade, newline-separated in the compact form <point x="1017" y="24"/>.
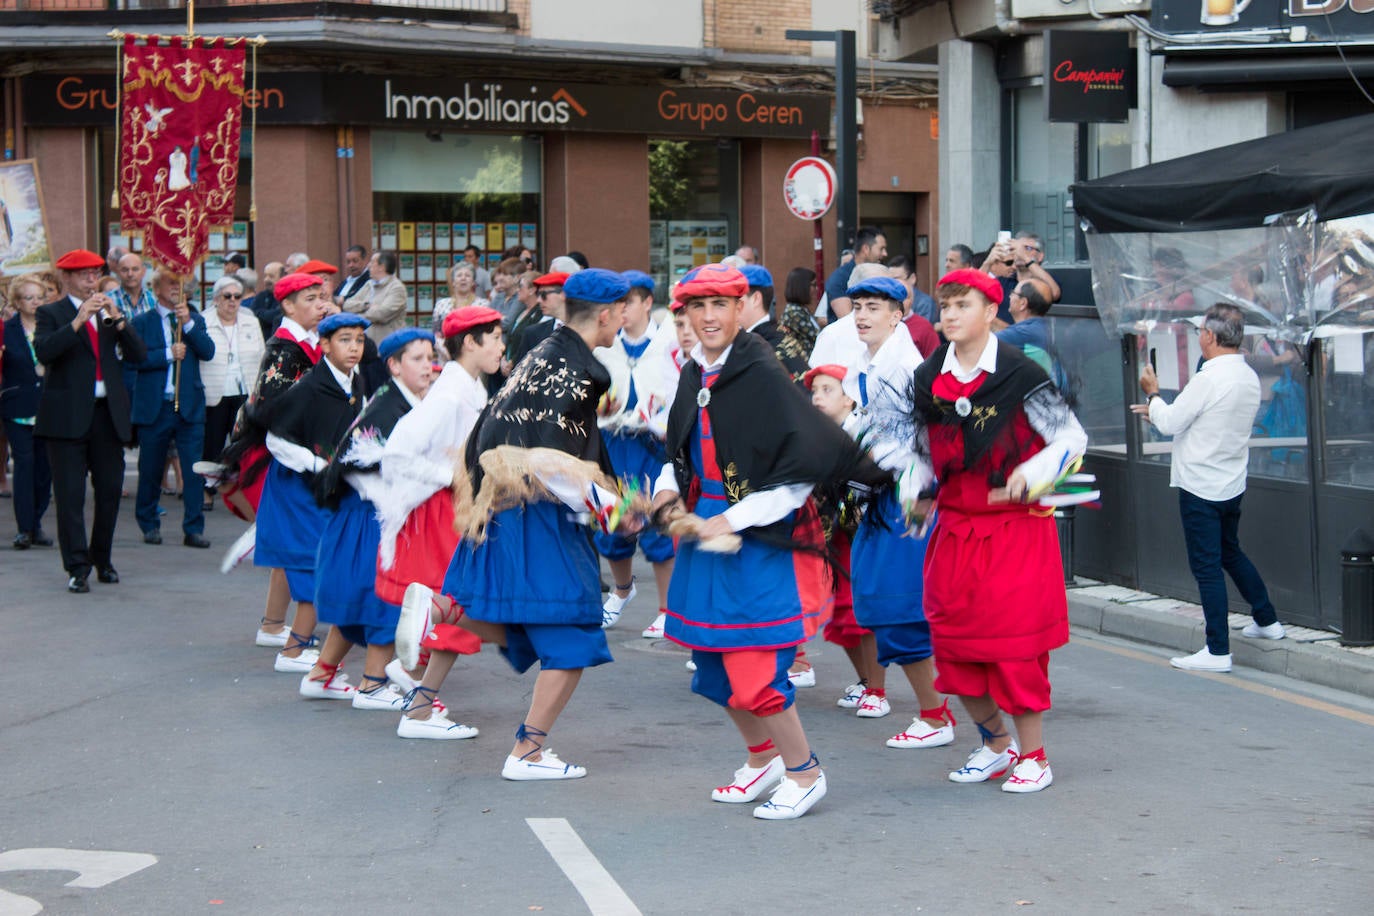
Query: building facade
<point x="1195" y="75"/>
<point x="652" y="135"/>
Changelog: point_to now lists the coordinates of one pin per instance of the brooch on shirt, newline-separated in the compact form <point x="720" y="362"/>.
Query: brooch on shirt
<point x="703" y="397"/>
<point x="963" y="407"/>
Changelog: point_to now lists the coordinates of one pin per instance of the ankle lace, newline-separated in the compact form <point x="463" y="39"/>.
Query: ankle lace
<point x="812" y="763"/>
<point x="429" y="695"/>
<point x="381" y="682"/>
<point x="296" y="642"/>
<point x="940" y="712"/>
<point x="983" y="730"/>
<point x="529" y="733"/>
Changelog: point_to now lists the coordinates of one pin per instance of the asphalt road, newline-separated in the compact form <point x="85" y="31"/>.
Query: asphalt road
<point x="141" y="719"/>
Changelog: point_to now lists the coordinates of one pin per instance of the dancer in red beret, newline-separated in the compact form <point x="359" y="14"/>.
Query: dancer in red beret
<point x="999" y="435"/>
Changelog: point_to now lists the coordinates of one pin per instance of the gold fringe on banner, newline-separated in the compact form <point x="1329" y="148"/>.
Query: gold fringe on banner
<point x="119" y="116"/>
<point x="253" y="139"/>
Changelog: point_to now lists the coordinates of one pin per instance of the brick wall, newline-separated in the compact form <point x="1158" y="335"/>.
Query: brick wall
<point x="756" y="25"/>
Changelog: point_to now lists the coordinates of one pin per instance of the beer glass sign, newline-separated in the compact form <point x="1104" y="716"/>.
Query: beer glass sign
<point x="1222" y="12"/>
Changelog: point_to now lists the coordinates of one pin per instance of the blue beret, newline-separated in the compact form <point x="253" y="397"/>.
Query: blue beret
<point x="638" y="279"/>
<point x="757" y="275"/>
<point x="878" y="286"/>
<point x="397" y="341"/>
<point x="596" y="285"/>
<point x="340" y="321"/>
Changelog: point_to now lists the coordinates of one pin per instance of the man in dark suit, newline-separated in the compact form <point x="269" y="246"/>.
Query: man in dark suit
<point x="169" y="404"/>
<point x="84" y="412"/>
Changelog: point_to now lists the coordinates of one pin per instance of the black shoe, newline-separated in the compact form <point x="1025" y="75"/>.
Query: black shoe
<point x="23" y="541"/>
<point x="152" y="537"/>
<point x="77" y="585"/>
<point x="40" y="539"/>
<point x="195" y="540"/>
<point x="107" y="575"/>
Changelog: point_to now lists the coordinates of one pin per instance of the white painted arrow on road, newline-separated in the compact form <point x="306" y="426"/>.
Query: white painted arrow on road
<point x="93" y="867"/>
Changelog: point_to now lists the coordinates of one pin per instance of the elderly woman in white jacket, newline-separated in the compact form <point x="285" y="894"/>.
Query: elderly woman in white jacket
<point x="228" y="378"/>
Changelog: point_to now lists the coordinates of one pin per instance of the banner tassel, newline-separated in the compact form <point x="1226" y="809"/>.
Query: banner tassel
<point x="253" y="141"/>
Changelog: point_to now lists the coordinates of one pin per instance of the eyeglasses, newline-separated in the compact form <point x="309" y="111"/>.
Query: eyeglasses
<point x="231" y="295"/>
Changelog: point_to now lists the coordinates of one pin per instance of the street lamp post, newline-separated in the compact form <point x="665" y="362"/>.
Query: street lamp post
<point x="846" y="130"/>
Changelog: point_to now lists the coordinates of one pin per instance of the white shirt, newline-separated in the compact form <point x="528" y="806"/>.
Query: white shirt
<point x="169" y="389"/>
<point x="345" y="381"/>
<point x="93" y="321"/>
<point x="300" y="333"/>
<point x="987" y="362"/>
<point x="758" y="509"/>
<point x="1211" y="421"/>
<point x="838" y="343"/>
<point x="881" y="419"/>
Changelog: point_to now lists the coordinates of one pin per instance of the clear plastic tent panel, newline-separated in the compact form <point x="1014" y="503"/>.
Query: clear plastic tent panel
<point x="1143" y="280"/>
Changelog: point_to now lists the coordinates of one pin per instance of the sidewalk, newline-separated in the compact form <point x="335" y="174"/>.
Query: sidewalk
<point x="1314" y="656"/>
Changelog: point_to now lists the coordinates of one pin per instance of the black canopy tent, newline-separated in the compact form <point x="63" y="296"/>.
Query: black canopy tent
<point x="1330" y="166"/>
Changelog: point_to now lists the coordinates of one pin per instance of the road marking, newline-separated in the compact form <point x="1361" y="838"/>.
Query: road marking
<point x="93" y="867"/>
<point x="1276" y="693"/>
<point x="603" y="896"/>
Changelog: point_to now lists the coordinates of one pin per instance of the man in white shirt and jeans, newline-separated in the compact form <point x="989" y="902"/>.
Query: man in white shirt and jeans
<point x="1211" y="420"/>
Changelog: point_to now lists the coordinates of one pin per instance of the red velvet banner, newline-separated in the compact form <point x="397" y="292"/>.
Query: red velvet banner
<point x="180" y="120"/>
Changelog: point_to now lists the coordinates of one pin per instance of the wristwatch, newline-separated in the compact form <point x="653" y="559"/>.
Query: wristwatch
<point x="1153" y="395"/>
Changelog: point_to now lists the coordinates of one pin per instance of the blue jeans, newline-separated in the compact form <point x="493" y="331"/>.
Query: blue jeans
<point x="1209" y="531"/>
<point x="153" y="440"/>
<point x="32" y="479"/>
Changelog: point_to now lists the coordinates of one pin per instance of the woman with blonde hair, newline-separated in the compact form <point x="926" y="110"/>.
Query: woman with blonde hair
<point x="462" y="292"/>
<point x="23" y="376"/>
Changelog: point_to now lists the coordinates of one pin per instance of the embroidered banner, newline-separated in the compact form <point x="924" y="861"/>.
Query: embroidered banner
<point x="180" y="122"/>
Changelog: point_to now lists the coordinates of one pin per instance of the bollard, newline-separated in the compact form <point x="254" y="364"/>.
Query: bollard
<point x="1357" y="589"/>
<point x="1063" y="521"/>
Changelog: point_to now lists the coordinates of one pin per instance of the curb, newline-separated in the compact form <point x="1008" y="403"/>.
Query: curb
<point x="1145" y="620"/>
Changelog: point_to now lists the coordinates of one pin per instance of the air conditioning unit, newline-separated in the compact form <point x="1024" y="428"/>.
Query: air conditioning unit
<point x="1076" y="9"/>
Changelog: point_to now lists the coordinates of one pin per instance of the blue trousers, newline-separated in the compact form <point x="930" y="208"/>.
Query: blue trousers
<point x="1209" y="531"/>
<point x="32" y="485"/>
<point x="153" y="441"/>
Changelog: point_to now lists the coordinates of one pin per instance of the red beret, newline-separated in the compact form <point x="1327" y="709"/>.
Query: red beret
<point x="710" y="280"/>
<point x="468" y="317"/>
<point x="834" y="370"/>
<point x="80" y="259"/>
<point x="316" y="267"/>
<point x="556" y="278"/>
<point x="975" y="279"/>
<point x="294" y="283"/>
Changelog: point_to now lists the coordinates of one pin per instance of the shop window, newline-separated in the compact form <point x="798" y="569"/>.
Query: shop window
<point x="1347" y="367"/>
<point x="1044" y="162"/>
<point x="436" y="193"/>
<point x="1086" y="365"/>
<point x="693" y="205"/>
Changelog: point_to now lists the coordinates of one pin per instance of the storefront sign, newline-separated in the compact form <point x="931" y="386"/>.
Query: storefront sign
<point x="82" y="99"/>
<point x="1325" y="20"/>
<point x="808" y="188"/>
<point x="1089" y="76"/>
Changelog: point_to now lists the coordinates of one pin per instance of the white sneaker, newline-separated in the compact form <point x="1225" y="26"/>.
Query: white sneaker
<point x="805" y="678"/>
<point x="386" y="697"/>
<point x="414" y="623"/>
<point x="750" y="782"/>
<point x="872" y="706"/>
<point x="1029" y="776"/>
<point x="550" y="767"/>
<point x="655" y="629"/>
<point x="984" y="764"/>
<point x="240" y="550"/>
<point x="272" y="640"/>
<point x="301" y="664"/>
<point x="212" y="471"/>
<point x="437" y="726"/>
<point x="336" y="687"/>
<point x="790" y="800"/>
<point x="1255" y="631"/>
<point x="1203" y="660"/>
<point x="610" y="611"/>
<point x="853" y="696"/>
<point x="400" y="676"/>
<point x="691" y="665"/>
<point x="919" y="734"/>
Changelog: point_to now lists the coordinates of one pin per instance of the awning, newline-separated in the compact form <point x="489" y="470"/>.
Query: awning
<point x="1329" y="167"/>
<point x="1257" y="70"/>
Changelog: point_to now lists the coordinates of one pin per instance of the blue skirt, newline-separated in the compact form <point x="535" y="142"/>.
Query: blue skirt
<point x="722" y="602"/>
<point x="346" y="573"/>
<point x="638" y="457"/>
<point x="536" y="566"/>
<point x="290" y="522"/>
<point x="886" y="567"/>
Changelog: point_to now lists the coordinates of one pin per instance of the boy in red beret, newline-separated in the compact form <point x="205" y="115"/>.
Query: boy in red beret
<point x="999" y="435"/>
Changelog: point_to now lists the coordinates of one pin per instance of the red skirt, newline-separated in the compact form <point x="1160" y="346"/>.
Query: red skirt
<point x="843" y="630"/>
<point x="994" y="586"/>
<point x="253" y="468"/>
<point x="814" y="581"/>
<point x="424" y="548"/>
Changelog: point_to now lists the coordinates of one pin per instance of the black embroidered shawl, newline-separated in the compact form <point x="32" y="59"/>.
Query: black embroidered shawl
<point x="767" y="433"/>
<point x="315" y="412"/>
<point x="549" y="401"/>
<point x="360" y="448"/>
